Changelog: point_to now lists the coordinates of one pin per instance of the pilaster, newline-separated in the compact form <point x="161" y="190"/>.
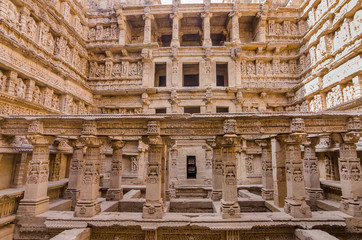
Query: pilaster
<point x="115" y="191"/>
<point x="20" y="170"/>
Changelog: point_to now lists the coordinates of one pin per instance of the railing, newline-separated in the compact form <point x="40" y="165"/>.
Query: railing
<point x="10" y="198"/>
<point x="9" y="204"/>
<point x="332" y="190"/>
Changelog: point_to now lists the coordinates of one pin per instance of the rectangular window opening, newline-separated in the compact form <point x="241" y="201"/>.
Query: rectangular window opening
<point x="166" y="40"/>
<point x="191" y="110"/>
<point x="222" y="75"/>
<point x="160" y="75"/>
<point x="160" y="110"/>
<point x="222" y="109"/>
<point x="190" y="75"/>
<point x="191" y="167"/>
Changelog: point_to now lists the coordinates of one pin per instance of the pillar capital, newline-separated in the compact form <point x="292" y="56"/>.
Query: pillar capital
<point x="351" y="137"/>
<point x="292" y="139"/>
<point x="77" y="143"/>
<point x="40" y="140"/>
<point x="206" y="15"/>
<point x="263" y="143"/>
<point x="117" y="143"/>
<point x="148" y="16"/>
<point x="311" y="141"/>
<point x="176" y="16"/>
<point x="235" y="13"/>
<point x="91" y="141"/>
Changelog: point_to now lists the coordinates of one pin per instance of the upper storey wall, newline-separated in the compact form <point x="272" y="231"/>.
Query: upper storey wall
<point x="333" y="45"/>
<point x="302" y="55"/>
<point x="43" y="60"/>
<point x="260" y="47"/>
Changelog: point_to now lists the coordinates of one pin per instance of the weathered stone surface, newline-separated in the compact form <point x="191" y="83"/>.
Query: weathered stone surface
<point x="180" y="106"/>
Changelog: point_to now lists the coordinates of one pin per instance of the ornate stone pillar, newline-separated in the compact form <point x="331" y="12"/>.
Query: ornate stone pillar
<point x="311" y="173"/>
<point x="230" y="207"/>
<point x="30" y="85"/>
<point x="153" y="207"/>
<point x="10" y="84"/>
<point x="261" y="27"/>
<point x="217" y="171"/>
<point x="208" y="162"/>
<point x="279" y="179"/>
<point x="35" y="199"/>
<point x="147" y="71"/>
<point x="75" y="171"/>
<point x="147" y="17"/>
<point x="235" y="30"/>
<point x="267" y="192"/>
<point x="122" y="25"/>
<point x="88" y="205"/>
<point x="24" y="17"/>
<point x="350" y="173"/>
<point x="115" y="191"/>
<point x="207" y="34"/>
<point x="176" y="17"/>
<point x="295" y="204"/>
<point x="173" y="164"/>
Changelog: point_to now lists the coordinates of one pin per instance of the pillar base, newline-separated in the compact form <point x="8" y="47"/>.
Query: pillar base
<point x="72" y="194"/>
<point x="207" y="43"/>
<point x="312" y="196"/>
<point x="33" y="207"/>
<point x="153" y="210"/>
<point x="297" y="209"/>
<point x="230" y="210"/>
<point x="267" y="194"/>
<point x="351" y="207"/>
<point x="87" y="208"/>
<point x="114" y="194"/>
<point x="175" y="43"/>
<point x="216" y="195"/>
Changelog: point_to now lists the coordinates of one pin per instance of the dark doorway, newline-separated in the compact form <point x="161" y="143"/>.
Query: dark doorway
<point x="191" y="167"/>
